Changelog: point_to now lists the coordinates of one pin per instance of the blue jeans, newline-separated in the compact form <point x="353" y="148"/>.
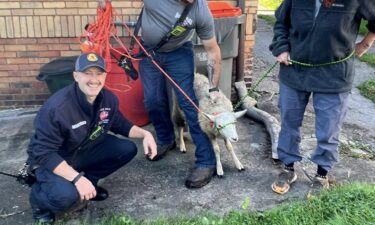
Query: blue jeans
<point x="56" y="194"/>
<point x="179" y="64"/>
<point x="330" y="110"/>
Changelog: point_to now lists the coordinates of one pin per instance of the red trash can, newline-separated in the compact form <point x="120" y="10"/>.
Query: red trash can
<point x="129" y="92"/>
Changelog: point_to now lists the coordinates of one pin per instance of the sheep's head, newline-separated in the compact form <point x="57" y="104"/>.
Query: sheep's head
<point x="225" y="123"/>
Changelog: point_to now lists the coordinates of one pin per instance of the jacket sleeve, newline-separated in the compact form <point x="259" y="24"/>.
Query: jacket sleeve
<point x="120" y="124"/>
<point x="280" y="42"/>
<point x="47" y="140"/>
<point x="367" y="10"/>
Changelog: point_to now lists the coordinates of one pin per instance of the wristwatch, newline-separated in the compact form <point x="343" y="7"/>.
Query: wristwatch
<point x="213" y="89"/>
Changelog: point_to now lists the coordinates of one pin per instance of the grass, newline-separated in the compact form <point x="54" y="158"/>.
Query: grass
<point x="366" y="151"/>
<point x="368" y="58"/>
<point x="269" y="4"/>
<point x="352" y="204"/>
<point x="270" y="19"/>
<point x="367" y="89"/>
<point x="363" y="29"/>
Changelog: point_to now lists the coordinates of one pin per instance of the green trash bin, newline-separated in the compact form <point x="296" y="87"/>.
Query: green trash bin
<point x="58" y="73"/>
<point x="226" y="30"/>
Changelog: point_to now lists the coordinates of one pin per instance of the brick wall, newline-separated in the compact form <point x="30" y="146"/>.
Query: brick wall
<point x="33" y="33"/>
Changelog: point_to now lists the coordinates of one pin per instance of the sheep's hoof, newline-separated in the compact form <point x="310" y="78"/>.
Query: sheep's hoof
<point x="220" y="176"/>
<point x="183" y="152"/>
<point x="242" y="169"/>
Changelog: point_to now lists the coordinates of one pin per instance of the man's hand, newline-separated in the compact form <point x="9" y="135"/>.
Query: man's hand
<point x="283" y="58"/>
<point x="363" y="46"/>
<point x="149" y="145"/>
<point x="85" y="189"/>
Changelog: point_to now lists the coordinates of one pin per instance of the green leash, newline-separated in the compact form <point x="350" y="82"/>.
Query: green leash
<point x="321" y="64"/>
<point x="264" y="75"/>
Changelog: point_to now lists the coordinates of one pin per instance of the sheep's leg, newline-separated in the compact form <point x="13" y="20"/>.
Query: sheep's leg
<point x="229" y="146"/>
<point x="181" y="139"/>
<point x="219" y="167"/>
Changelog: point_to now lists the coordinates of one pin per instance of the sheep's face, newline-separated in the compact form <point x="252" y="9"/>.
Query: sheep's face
<point x="225" y="124"/>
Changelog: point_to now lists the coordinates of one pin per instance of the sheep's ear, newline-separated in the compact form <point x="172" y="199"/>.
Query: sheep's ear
<point x="210" y="117"/>
<point x="240" y="113"/>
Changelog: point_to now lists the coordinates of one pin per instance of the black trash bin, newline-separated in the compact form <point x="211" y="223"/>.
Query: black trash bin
<point x="58" y="73"/>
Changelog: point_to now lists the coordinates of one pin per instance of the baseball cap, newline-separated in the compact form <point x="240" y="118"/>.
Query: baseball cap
<point x="87" y="60"/>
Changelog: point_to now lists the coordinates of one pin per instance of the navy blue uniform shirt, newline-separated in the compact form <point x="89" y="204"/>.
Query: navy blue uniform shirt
<point x="66" y="121"/>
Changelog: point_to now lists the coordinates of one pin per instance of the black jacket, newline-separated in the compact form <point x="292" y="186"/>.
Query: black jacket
<point x="65" y="122"/>
<point x="330" y="36"/>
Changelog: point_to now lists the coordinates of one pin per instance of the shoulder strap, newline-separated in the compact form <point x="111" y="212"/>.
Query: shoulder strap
<point x="175" y="31"/>
<point x="136" y="31"/>
<point x="177" y="28"/>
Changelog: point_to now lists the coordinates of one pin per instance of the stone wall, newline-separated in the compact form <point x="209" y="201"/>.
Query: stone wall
<point x="33" y="33"/>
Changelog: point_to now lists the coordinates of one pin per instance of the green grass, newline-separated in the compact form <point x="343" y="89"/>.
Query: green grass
<point x="352" y="204"/>
<point x="270" y="19"/>
<point x="368" y="58"/>
<point x="269" y="4"/>
<point x="363" y="29"/>
<point x="367" y="89"/>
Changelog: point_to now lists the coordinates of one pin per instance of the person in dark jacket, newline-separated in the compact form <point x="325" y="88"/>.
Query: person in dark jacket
<point x="322" y="35"/>
<point x="71" y="149"/>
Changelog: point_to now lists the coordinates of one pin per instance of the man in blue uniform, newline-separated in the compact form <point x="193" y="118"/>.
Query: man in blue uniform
<point x="321" y="33"/>
<point x="71" y="149"/>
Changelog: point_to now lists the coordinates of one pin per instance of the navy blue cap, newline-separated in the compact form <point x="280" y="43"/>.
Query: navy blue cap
<point x="88" y="60"/>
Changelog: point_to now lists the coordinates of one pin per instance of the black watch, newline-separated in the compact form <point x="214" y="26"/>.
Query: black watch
<point x="213" y="89"/>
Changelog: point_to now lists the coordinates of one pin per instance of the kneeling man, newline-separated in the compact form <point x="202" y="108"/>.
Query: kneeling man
<point x="71" y="149"/>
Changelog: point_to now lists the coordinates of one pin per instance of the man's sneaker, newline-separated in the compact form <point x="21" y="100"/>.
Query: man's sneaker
<point x="320" y="182"/>
<point x="162" y="150"/>
<point x="283" y="181"/>
<point x="43" y="216"/>
<point x="199" y="177"/>
<point x="101" y="194"/>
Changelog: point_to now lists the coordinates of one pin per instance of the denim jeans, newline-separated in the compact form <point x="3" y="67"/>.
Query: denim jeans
<point x="330" y="110"/>
<point x="179" y="65"/>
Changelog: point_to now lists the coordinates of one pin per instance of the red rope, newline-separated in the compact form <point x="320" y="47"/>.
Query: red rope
<point x="97" y="36"/>
<point x="97" y="39"/>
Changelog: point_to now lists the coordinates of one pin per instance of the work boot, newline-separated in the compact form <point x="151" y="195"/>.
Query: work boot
<point x="320" y="182"/>
<point x="199" y="177"/>
<point x="283" y="181"/>
<point x="101" y="194"/>
<point x="162" y="150"/>
<point x="43" y="216"/>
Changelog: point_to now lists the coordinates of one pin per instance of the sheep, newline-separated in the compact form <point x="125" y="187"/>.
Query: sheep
<point x="217" y="121"/>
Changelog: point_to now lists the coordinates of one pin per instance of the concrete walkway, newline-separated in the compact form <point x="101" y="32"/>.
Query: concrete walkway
<point x="147" y="190"/>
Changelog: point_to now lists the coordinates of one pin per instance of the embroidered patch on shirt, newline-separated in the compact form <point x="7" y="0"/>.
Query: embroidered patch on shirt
<point x="75" y="126"/>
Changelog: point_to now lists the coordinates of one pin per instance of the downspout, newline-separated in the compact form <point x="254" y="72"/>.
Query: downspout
<point x="240" y="62"/>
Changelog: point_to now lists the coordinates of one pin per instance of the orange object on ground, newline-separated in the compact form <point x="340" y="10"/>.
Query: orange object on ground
<point x="129" y="92"/>
<point x="223" y="9"/>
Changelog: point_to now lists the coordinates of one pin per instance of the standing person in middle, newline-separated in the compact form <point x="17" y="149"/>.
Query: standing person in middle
<point x="176" y="57"/>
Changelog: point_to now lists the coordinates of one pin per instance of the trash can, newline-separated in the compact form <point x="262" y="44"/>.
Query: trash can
<point x="227" y="21"/>
<point x="129" y="92"/>
<point x="58" y="73"/>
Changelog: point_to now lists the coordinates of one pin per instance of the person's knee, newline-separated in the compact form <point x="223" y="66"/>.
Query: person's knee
<point x="64" y="199"/>
<point x="125" y="151"/>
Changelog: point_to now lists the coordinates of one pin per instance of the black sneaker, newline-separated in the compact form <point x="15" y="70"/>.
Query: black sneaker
<point x="162" y="150"/>
<point x="101" y="194"/>
<point x="43" y="216"/>
<point x="199" y="177"/>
